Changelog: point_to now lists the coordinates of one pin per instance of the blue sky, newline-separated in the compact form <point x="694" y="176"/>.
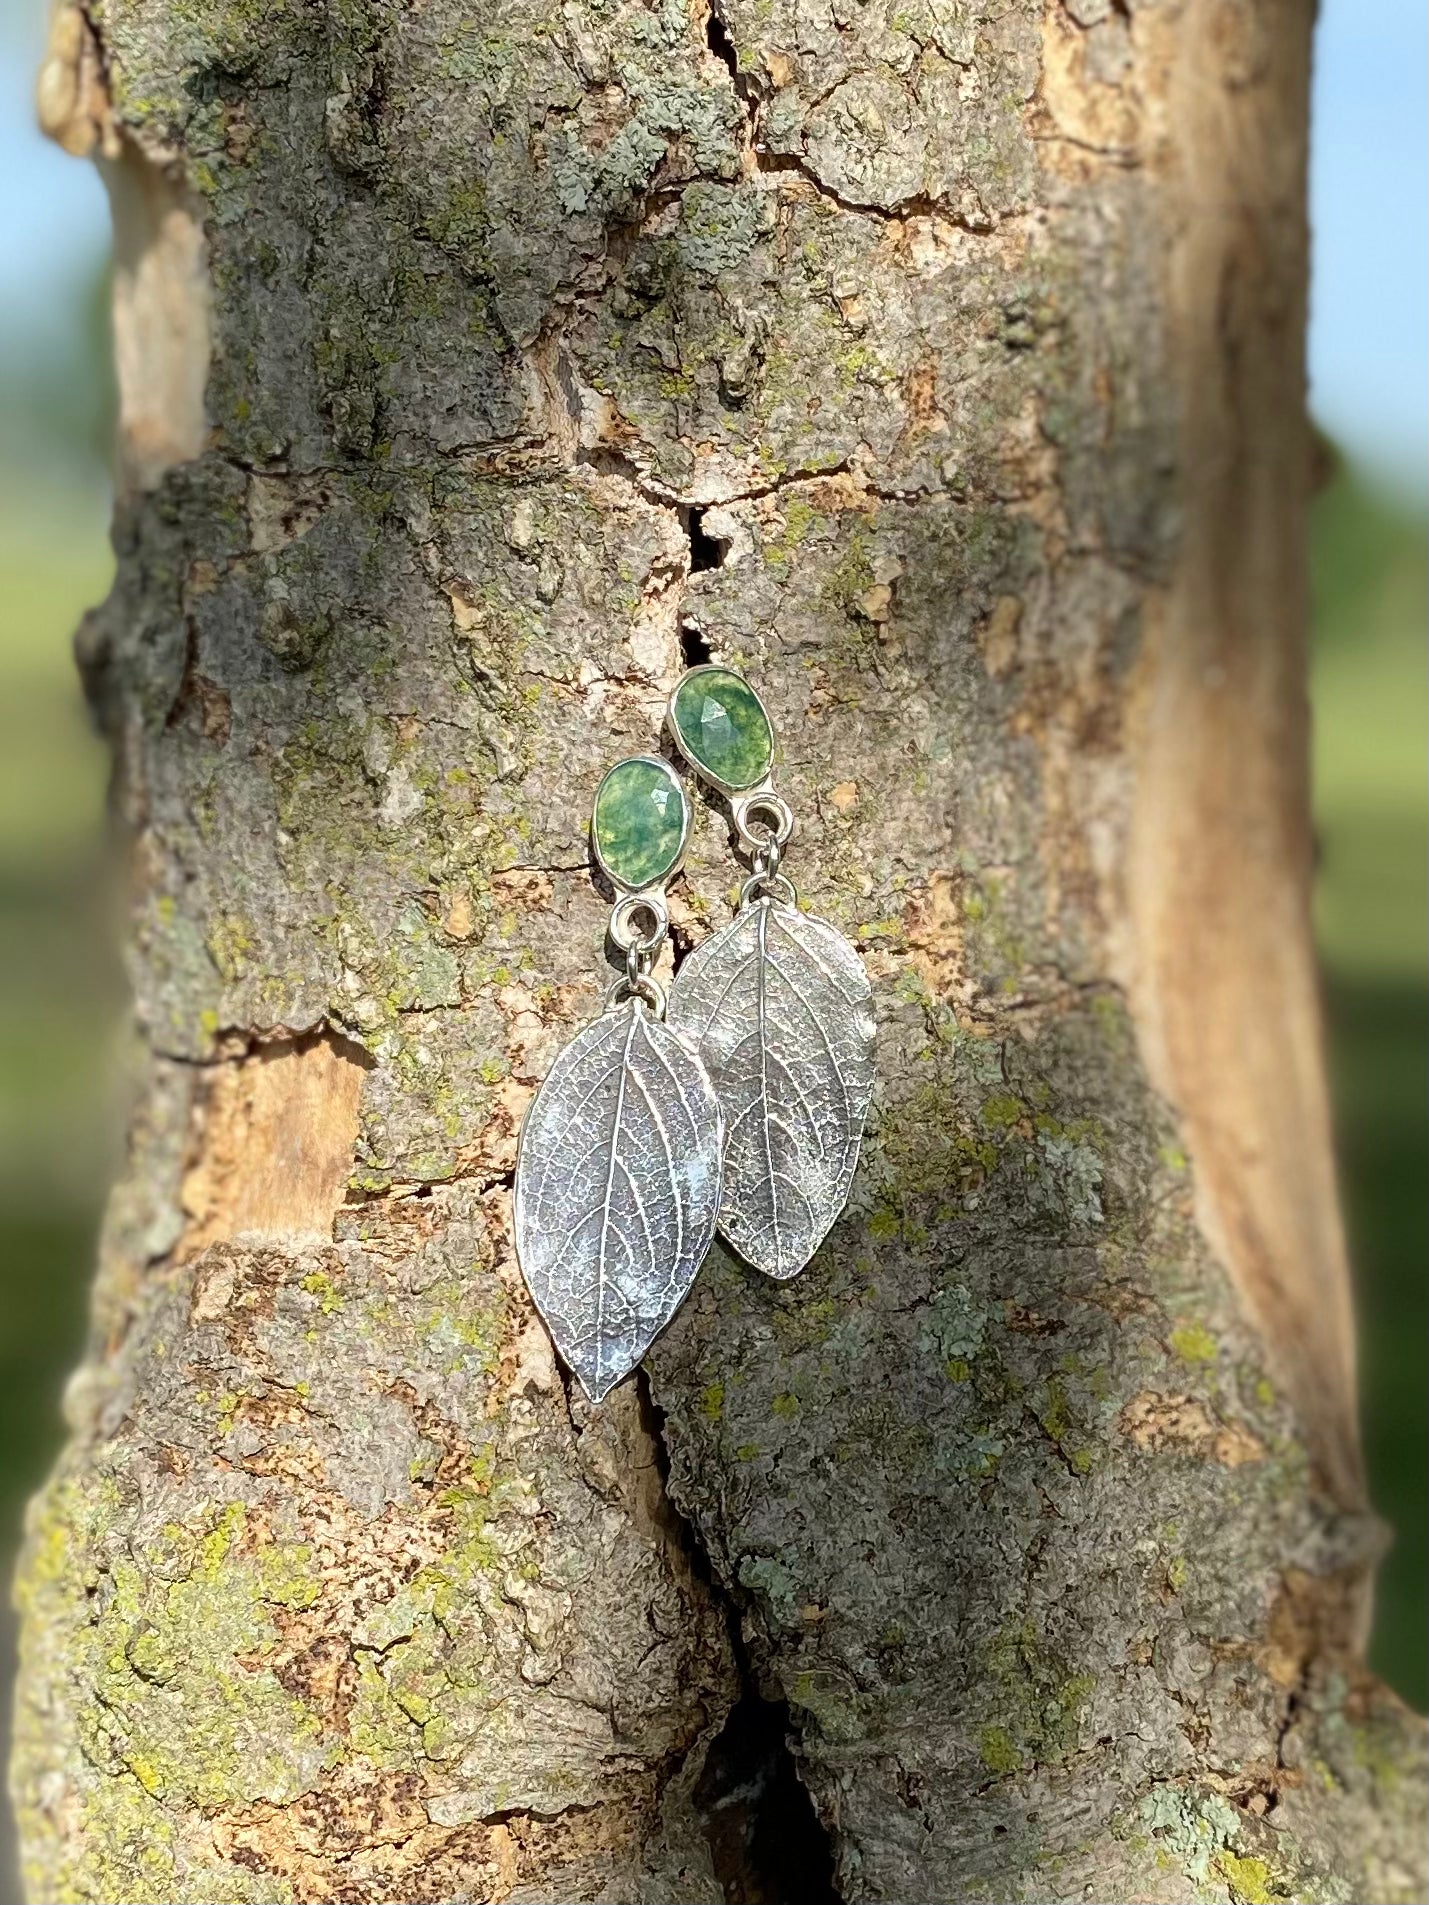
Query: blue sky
<point x="1369" y="189"/>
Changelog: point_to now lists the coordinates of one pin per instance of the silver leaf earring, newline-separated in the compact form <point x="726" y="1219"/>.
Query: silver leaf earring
<point x="619" y="1164"/>
<point x="777" y="1003"/>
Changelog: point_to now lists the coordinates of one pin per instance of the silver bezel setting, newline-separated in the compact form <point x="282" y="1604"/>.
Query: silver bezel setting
<point x="622" y="887"/>
<point x="765" y="786"/>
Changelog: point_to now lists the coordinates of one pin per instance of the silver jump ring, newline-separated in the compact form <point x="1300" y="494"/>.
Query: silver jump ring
<point x="649" y="991"/>
<point x="772" y="807"/>
<point x="761" y="886"/>
<point x="626" y="912"/>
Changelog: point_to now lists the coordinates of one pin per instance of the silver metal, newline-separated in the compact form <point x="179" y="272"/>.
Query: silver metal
<point x="687" y="813"/>
<point x="762" y="800"/>
<point x="627" y="910"/>
<point x="618" y="1181"/>
<point x="639" y="986"/>
<point x="779" y="1007"/>
<point x="763" y="884"/>
<point x="619" y="1167"/>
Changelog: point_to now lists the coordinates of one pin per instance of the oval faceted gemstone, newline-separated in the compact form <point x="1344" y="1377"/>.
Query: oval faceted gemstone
<point x="640" y="822"/>
<point x="722" y="726"/>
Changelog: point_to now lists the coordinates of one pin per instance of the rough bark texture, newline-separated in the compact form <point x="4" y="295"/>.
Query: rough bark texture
<point x="939" y="361"/>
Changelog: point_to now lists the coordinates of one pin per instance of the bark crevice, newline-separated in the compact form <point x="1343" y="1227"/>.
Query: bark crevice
<point x="767" y="1844"/>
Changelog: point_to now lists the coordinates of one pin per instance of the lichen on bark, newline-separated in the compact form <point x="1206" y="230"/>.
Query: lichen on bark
<point x="880" y="352"/>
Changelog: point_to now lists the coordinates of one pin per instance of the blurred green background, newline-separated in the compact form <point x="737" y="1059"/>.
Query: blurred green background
<point x="62" y="996"/>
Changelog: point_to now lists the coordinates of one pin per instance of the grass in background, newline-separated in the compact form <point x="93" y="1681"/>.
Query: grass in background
<point x="60" y="999"/>
<point x="61" y="996"/>
<point x="1370" y="682"/>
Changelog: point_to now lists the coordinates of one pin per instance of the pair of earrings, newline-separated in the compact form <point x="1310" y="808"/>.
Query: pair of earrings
<point x="737" y="1102"/>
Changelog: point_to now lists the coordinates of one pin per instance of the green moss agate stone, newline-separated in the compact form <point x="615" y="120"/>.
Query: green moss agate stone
<point x="640" y="822"/>
<point x="721" y="725"/>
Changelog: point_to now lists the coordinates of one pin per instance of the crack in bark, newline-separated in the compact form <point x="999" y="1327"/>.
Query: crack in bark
<point x="749" y="94"/>
<point x="915" y="205"/>
<point x="767" y="1842"/>
<point x="237" y="1044"/>
<point x="410" y="1188"/>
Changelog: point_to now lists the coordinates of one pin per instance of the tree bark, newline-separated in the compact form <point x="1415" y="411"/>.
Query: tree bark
<point x="941" y="365"/>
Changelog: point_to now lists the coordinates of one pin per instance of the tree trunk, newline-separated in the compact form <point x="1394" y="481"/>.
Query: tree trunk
<point x="941" y="365"/>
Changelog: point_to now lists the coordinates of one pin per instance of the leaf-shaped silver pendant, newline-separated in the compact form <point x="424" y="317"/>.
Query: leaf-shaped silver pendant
<point x="779" y="1007"/>
<point x="617" y="1190"/>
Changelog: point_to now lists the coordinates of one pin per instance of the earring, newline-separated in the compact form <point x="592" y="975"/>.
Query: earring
<point x="619" y="1164"/>
<point x="777" y="1003"/>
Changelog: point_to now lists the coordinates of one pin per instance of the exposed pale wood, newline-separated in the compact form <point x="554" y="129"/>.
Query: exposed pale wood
<point x="161" y="315"/>
<point x="277" y="1131"/>
<point x="71" y="99"/>
<point x="161" y="299"/>
<point x="1220" y="957"/>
